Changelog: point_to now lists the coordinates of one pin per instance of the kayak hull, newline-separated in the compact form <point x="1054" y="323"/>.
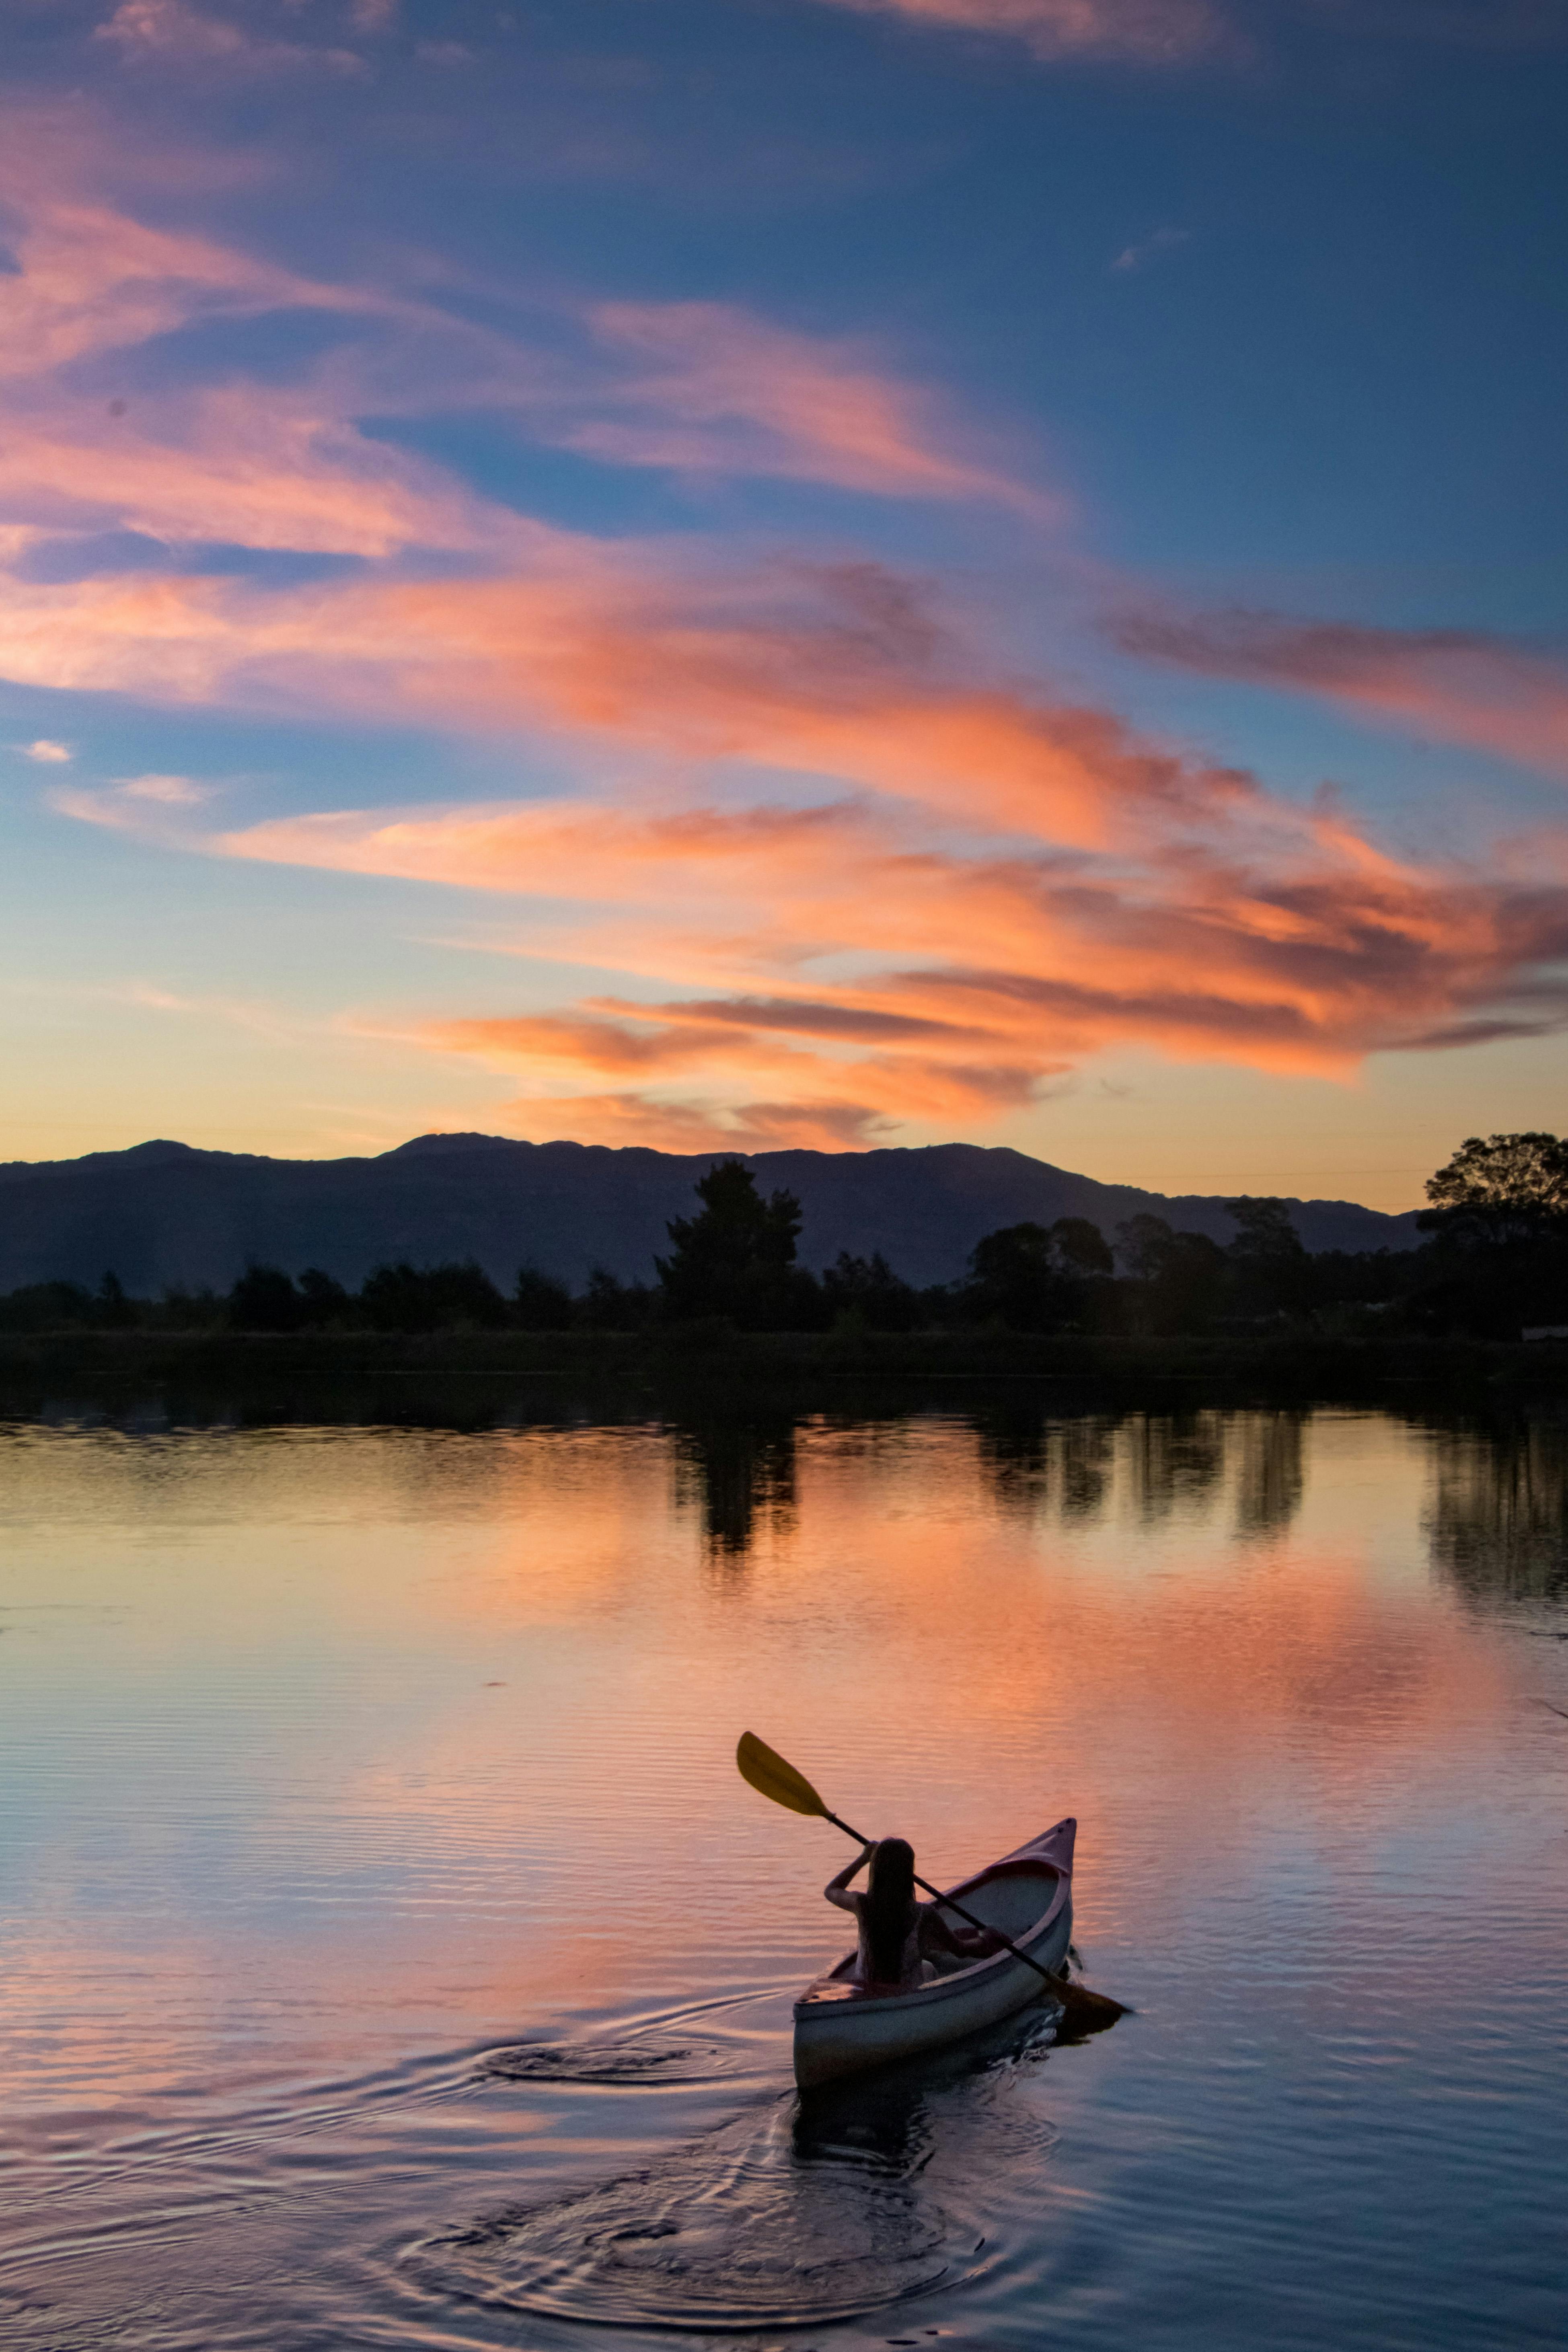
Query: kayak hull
<point x="841" y="2030"/>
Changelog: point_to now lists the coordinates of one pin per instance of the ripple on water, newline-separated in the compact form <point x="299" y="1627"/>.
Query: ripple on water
<point x="811" y="2211"/>
<point x="620" y="2063"/>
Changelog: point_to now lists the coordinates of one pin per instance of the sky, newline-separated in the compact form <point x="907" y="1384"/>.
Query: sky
<point x="742" y="573"/>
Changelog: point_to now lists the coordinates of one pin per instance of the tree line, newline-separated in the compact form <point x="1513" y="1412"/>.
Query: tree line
<point x="1494" y="1259"/>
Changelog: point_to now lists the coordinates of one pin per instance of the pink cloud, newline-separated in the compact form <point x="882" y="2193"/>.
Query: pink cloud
<point x="287" y="465"/>
<point x="1457" y="685"/>
<point x="1146" y="32"/>
<point x="854" y="876"/>
<point x="1001" y="886"/>
<point x="980" y="976"/>
<point x="723" y="391"/>
<point x="170" y="32"/>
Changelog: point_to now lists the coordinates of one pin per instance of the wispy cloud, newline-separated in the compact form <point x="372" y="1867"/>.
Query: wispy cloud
<point x="1147" y="31"/>
<point x="166" y="33"/>
<point x="286" y="464"/>
<point x="857" y="877"/>
<point x="49" y="754"/>
<point x="1149" y="249"/>
<point x="169" y="792"/>
<point x="144" y="805"/>
<point x="1460" y="685"/>
<point x="715" y="389"/>
<point x="979" y="972"/>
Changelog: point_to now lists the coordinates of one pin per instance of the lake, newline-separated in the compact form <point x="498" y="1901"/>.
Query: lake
<point x="392" y="1957"/>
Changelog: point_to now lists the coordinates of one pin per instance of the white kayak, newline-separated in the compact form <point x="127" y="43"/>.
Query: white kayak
<point x="841" y="2029"/>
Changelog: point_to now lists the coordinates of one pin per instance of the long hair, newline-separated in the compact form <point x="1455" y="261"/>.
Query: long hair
<point x="890" y="1907"/>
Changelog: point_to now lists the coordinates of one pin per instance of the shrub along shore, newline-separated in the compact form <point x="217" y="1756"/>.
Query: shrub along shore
<point x="1299" y="1364"/>
<point x="1496" y="1265"/>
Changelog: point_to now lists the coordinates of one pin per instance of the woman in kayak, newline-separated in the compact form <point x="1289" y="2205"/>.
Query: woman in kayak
<point x="901" y="1939"/>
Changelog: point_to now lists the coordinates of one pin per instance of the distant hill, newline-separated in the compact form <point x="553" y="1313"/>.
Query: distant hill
<point x="164" y="1214"/>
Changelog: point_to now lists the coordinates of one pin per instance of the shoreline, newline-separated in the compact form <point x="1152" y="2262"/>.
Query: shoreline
<point x="1302" y="1366"/>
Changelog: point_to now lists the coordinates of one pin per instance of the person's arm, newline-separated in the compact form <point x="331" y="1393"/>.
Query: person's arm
<point x="942" y="1933"/>
<point x="836" y="1889"/>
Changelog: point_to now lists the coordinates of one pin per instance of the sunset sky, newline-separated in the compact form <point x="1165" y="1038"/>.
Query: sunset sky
<point x="743" y="572"/>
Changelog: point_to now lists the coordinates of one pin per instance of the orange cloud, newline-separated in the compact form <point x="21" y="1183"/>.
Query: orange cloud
<point x="853" y="875"/>
<point x="1000" y="886"/>
<point x="867" y="983"/>
<point x="1459" y="685"/>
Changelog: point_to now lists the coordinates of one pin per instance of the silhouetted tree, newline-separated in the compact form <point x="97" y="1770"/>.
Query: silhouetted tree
<point x="1178" y="1278"/>
<point x="540" y="1303"/>
<point x="1504" y="1188"/>
<point x="47" y="1307"/>
<point x="1498" y="1256"/>
<point x="116" y="1312"/>
<point x="610" y="1305"/>
<point x="265" y="1299"/>
<point x="1036" y="1277"/>
<point x="736" y="1257"/>
<point x="321" y="1299"/>
<point x="403" y="1298"/>
<point x="869" y="1287"/>
<point x="1268" y="1266"/>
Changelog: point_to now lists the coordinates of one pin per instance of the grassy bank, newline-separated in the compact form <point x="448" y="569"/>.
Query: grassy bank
<point x="378" y="1374"/>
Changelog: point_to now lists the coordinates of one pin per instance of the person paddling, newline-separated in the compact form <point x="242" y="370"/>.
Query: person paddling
<point x="901" y="1938"/>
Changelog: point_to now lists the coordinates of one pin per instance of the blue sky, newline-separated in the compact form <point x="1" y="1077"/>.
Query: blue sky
<point x="736" y="574"/>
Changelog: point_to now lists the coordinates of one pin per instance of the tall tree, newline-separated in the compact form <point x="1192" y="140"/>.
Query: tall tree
<point x="1177" y="1277"/>
<point x="454" y="1297"/>
<point x="736" y="1256"/>
<point x="1036" y="1277"/>
<point x="869" y="1287"/>
<point x="1501" y="1188"/>
<point x="265" y="1299"/>
<point x="1269" y="1268"/>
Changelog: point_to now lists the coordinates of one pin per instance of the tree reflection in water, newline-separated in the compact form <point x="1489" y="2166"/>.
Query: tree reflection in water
<point x="1497" y="1520"/>
<point x="1067" y="1467"/>
<point x="1270" y="1493"/>
<point x="1033" y="1464"/>
<point x="1175" y="1461"/>
<point x="739" y="1469"/>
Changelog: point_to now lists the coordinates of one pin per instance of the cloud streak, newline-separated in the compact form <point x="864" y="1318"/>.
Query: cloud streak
<point x="836" y="965"/>
<point x="1142" y="32"/>
<point x="1460" y="685"/>
<point x="724" y="391"/>
<point x="855" y="877"/>
<point x="164" y="33"/>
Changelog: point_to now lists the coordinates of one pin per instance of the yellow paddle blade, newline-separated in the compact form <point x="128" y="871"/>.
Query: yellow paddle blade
<point x="772" y="1776"/>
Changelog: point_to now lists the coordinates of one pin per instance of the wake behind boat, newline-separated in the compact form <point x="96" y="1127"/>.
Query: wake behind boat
<point x="842" y="2029"/>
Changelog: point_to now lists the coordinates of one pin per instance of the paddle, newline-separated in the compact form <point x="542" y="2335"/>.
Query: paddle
<point x="773" y="1777"/>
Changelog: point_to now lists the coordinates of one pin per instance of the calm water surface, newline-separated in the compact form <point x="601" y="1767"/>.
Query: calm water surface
<point x="390" y="1956"/>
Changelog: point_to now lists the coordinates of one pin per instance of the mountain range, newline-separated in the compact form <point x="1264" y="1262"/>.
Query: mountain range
<point x="165" y="1215"/>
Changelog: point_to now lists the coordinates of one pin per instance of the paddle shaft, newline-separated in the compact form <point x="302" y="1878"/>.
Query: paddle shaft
<point x="949" y="1904"/>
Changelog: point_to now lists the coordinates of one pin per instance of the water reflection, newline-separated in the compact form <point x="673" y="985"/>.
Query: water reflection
<point x="1497" y="1523"/>
<point x="388" y="1768"/>
<point x="739" y="1469"/>
<point x="1175" y="1460"/>
<point x="1037" y="1463"/>
<point x="863" y="2196"/>
<point x="1272" y="1482"/>
<point x="1067" y="1469"/>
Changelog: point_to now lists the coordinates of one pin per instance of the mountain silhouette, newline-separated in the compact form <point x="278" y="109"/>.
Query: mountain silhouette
<point x="164" y="1214"/>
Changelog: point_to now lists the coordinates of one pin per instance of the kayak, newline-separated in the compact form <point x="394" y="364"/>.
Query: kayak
<point x="842" y="2029"/>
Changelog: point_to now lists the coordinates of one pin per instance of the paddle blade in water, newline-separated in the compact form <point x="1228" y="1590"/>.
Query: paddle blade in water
<point x="772" y="1776"/>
